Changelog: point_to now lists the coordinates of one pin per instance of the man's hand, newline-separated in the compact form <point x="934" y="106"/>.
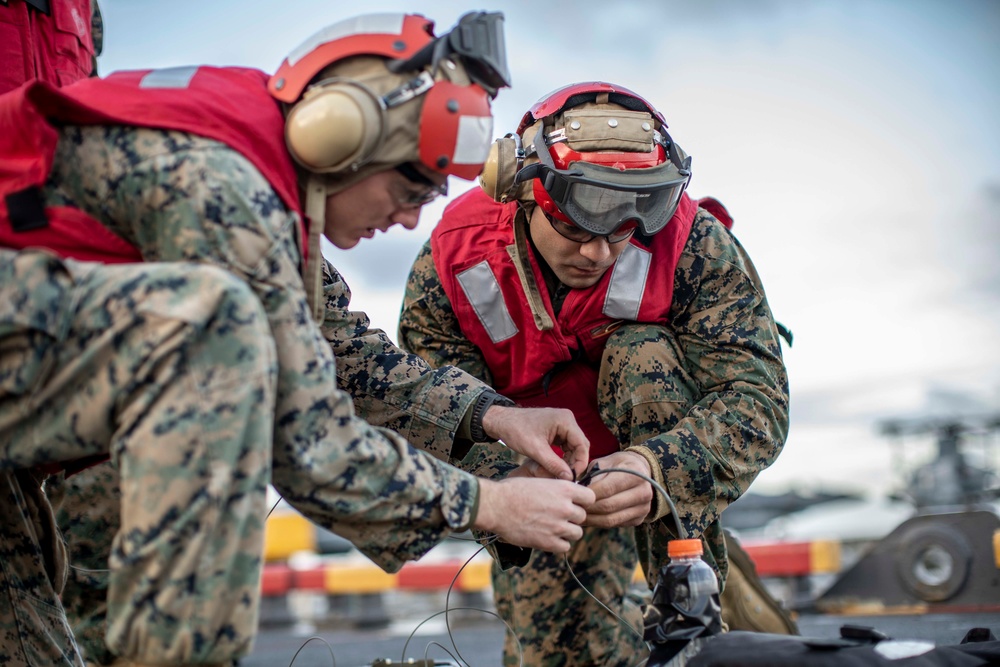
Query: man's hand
<point x="533" y="432"/>
<point x="537" y="513"/>
<point x="622" y="499"/>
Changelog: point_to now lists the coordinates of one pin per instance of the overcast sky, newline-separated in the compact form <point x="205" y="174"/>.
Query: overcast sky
<point x="856" y="144"/>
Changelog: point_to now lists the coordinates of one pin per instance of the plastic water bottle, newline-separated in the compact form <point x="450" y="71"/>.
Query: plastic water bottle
<point x="685" y="609"/>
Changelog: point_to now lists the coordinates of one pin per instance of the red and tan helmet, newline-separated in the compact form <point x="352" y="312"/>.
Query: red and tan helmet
<point x="381" y="90"/>
<point x="593" y="154"/>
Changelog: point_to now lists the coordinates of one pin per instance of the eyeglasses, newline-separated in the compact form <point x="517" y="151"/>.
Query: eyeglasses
<point x="417" y="198"/>
<point x="570" y="231"/>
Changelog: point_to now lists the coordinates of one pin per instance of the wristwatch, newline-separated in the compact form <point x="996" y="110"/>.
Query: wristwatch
<point x="485" y="400"/>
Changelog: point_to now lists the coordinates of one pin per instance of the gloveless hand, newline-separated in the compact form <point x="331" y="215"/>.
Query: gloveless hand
<point x="537" y="513"/>
<point x="622" y="499"/>
<point x="533" y="432"/>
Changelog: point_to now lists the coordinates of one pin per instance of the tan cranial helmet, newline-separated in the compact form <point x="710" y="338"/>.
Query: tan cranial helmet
<point x="595" y="155"/>
<point x="381" y="90"/>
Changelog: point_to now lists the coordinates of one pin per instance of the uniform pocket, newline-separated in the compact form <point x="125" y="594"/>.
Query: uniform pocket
<point x="74" y="53"/>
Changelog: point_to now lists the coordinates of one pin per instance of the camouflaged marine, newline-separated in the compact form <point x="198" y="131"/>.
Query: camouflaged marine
<point x="582" y="276"/>
<point x="164" y="304"/>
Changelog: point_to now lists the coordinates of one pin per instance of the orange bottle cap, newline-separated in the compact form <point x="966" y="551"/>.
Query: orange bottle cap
<point x="682" y="548"/>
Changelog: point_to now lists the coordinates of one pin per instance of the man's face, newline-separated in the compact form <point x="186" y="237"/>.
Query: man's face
<point x="576" y="265"/>
<point x="376" y="203"/>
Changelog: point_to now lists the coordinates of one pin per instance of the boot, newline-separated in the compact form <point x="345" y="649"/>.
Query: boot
<point x="746" y="603"/>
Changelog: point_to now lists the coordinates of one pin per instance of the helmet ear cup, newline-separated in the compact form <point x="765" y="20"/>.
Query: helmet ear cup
<point x="502" y="165"/>
<point x="334" y="127"/>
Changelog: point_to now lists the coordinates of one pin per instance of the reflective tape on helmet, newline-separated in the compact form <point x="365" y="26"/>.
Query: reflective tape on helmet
<point x="475" y="135"/>
<point x="370" y="24"/>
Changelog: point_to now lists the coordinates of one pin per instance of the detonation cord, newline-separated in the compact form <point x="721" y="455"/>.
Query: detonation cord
<point x="306" y="642"/>
<point x="457" y="655"/>
<point x="677" y="526"/>
<point x="681" y="533"/>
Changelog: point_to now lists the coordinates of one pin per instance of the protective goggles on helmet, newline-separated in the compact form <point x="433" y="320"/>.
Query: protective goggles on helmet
<point x="477" y="41"/>
<point x="604" y="200"/>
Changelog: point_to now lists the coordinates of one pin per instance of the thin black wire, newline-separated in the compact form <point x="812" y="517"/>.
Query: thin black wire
<point x="325" y="643"/>
<point x="681" y="534"/>
<point x="441" y="646"/>
<point x="273" y="507"/>
<point x="448" y="608"/>
<point x="457" y="656"/>
<point x="606" y="607"/>
<point x="447" y="603"/>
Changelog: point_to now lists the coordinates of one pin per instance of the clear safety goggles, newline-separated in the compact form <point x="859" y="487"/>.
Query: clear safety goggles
<point x="602" y="200"/>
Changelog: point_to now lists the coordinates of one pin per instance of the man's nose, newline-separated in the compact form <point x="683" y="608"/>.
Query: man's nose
<point x="408" y="218"/>
<point x="596" y="249"/>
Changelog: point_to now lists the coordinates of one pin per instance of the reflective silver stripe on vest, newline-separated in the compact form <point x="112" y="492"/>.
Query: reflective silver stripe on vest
<point x="628" y="282"/>
<point x="483" y="292"/>
<point x="171" y="77"/>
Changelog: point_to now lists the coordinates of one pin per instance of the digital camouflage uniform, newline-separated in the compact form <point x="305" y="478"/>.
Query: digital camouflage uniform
<point x="198" y="372"/>
<point x="705" y="400"/>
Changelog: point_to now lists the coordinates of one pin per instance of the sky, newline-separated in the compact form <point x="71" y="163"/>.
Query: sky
<point x="856" y="144"/>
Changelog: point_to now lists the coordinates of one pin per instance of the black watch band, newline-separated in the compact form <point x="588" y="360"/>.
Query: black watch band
<point x="485" y="400"/>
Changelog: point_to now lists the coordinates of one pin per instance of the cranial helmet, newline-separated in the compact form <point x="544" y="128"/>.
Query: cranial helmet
<point x="595" y="155"/>
<point x="380" y="90"/>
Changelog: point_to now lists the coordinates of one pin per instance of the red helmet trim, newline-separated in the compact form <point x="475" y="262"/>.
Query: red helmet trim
<point x="543" y="199"/>
<point x="291" y="79"/>
<point x="563" y="155"/>
<point x="456" y="129"/>
<point x="554" y="101"/>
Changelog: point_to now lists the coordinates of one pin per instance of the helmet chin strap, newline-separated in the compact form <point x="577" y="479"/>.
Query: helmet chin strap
<point x="312" y="275"/>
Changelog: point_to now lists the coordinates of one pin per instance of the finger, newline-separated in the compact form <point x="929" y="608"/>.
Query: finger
<point x="576" y="451"/>
<point x="576" y="514"/>
<point x="634" y="497"/>
<point x="530" y="470"/>
<point x="552" y="464"/>
<point x="559" y="546"/>
<point x="571" y="532"/>
<point x="583" y="496"/>
<point x="630" y="518"/>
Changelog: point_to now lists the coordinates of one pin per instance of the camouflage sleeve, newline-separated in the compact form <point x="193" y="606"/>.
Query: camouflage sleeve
<point x="390" y="387"/>
<point x="178" y="197"/>
<point x="429" y="329"/>
<point x="427" y="324"/>
<point x="730" y="347"/>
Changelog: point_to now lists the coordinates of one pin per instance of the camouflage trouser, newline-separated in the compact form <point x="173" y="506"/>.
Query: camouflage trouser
<point x="556" y="621"/>
<point x="644" y="391"/>
<point x="86" y="507"/>
<point x="169" y="369"/>
<point x="33" y="630"/>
